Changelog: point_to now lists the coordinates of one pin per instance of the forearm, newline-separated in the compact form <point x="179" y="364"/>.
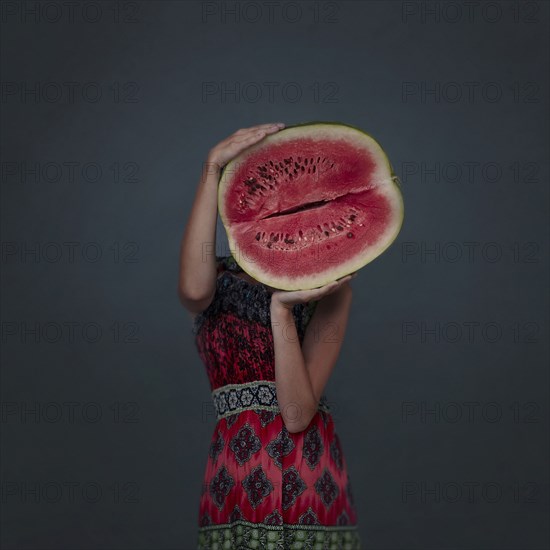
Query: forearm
<point x="198" y="245"/>
<point x="197" y="278"/>
<point x="293" y="385"/>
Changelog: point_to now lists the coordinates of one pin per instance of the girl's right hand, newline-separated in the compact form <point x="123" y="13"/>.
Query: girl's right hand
<point x="232" y="146"/>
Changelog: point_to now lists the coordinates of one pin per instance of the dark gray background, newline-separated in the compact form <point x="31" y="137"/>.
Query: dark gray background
<point x="148" y="461"/>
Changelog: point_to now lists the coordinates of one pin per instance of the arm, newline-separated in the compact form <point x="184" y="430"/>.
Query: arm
<point x="197" y="276"/>
<point x="301" y="373"/>
<point x="324" y="337"/>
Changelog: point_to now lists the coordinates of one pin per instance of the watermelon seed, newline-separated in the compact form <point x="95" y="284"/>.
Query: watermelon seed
<point x="327" y="233"/>
<point x="296" y="165"/>
<point x="303" y="169"/>
<point x="269" y="244"/>
<point x="300" y="233"/>
<point x="314" y="169"/>
<point x="306" y="162"/>
<point x="360" y="225"/>
<point x="257" y="236"/>
<point x="332" y="229"/>
<point x="276" y="238"/>
<point x="339" y="227"/>
<point x="318" y="158"/>
<point x="352" y="217"/>
<point x="289" y="241"/>
<point x="350" y="235"/>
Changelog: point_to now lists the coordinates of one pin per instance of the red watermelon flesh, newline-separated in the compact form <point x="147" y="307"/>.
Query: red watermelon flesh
<point x="309" y="204"/>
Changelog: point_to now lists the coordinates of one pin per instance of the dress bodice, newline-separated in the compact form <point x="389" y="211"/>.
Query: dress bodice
<point x="233" y="334"/>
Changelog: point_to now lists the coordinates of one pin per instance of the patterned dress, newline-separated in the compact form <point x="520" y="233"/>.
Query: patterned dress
<point x="264" y="487"/>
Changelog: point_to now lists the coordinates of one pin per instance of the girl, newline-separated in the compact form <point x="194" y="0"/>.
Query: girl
<point x="276" y="477"/>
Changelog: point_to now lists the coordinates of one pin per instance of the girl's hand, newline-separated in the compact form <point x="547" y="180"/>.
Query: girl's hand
<point x="288" y="299"/>
<point x="232" y="146"/>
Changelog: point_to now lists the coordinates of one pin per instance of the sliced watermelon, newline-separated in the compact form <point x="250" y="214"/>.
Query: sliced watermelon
<point x="309" y="205"/>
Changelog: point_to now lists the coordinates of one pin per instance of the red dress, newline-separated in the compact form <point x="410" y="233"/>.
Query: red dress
<point x="264" y="487"/>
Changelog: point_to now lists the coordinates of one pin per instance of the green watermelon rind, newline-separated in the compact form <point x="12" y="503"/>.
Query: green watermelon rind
<point x="396" y="184"/>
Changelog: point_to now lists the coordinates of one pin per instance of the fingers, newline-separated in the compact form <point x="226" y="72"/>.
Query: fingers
<point x="339" y="282"/>
<point x="334" y="285"/>
<point x="347" y="277"/>
<point x="248" y="137"/>
<point x="303" y="296"/>
<point x="273" y="126"/>
<point x="256" y="132"/>
<point x="232" y="146"/>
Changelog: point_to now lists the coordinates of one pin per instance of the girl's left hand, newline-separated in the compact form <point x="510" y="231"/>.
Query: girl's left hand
<point x="289" y="298"/>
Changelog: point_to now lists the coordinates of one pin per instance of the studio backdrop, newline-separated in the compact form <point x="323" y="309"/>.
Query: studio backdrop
<point x="440" y="393"/>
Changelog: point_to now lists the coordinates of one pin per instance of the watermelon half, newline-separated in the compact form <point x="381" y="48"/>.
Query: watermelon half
<point x="309" y="204"/>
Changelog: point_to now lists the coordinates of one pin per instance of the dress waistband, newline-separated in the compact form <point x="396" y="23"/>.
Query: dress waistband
<point x="259" y="395"/>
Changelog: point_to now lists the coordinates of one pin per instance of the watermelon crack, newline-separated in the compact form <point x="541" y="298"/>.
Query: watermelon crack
<point x="300" y="208"/>
<point x="314" y="204"/>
